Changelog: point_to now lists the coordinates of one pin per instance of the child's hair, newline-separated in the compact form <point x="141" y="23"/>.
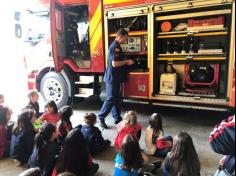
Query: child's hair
<point x="183" y="157"/>
<point x="42" y="139"/>
<point x="3" y="115"/>
<point x="131" y="153"/>
<point x="90" y="119"/>
<point x="155" y="122"/>
<point x="52" y="104"/>
<point x="65" y="113"/>
<point x="24" y="121"/>
<point x="31" y="172"/>
<point x="74" y="156"/>
<point x="131" y="117"/>
<point x="31" y="93"/>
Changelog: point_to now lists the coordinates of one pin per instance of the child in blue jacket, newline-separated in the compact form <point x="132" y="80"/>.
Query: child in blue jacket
<point x="93" y="135"/>
<point x="222" y="140"/>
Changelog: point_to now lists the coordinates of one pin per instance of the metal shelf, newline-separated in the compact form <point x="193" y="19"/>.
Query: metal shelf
<point x="196" y="31"/>
<point x="191" y="59"/>
<point x="135" y="54"/>
<point x="133" y="33"/>
<point x="205" y="34"/>
<point x="194" y="55"/>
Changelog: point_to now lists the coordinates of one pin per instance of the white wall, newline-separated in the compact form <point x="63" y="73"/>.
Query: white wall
<point x="13" y="77"/>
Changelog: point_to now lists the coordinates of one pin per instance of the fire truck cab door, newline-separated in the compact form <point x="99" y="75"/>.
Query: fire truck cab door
<point x="57" y="34"/>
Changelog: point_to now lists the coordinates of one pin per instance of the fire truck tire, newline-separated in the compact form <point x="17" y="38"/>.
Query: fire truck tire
<point x="53" y="86"/>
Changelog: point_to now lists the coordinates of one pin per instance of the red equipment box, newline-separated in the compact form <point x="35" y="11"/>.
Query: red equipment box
<point x="206" y="22"/>
<point x="137" y="85"/>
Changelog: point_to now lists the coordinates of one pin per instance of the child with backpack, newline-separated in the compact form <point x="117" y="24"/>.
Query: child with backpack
<point x="45" y="150"/>
<point x="5" y="116"/>
<point x="156" y="143"/>
<point x="183" y="159"/>
<point x="93" y="135"/>
<point x="23" y="133"/>
<point x="64" y="126"/>
<point x="129" y="125"/>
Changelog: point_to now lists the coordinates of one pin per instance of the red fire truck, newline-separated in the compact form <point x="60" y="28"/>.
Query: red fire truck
<point x="184" y="50"/>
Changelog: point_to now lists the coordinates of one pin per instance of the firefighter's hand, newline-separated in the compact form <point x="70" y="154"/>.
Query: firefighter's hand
<point x="130" y="62"/>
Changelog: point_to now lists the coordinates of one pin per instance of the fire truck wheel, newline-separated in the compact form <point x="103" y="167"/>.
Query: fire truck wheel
<point x="54" y="87"/>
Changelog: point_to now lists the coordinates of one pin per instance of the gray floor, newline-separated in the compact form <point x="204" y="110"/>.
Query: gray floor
<point x="197" y="123"/>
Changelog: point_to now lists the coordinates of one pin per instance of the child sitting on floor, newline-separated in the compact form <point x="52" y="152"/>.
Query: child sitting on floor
<point x="156" y="143"/>
<point x="75" y="157"/>
<point x="183" y="159"/>
<point x="131" y="161"/>
<point x="5" y="116"/>
<point x="129" y="125"/>
<point x="22" y="141"/>
<point x="93" y="135"/>
<point x="51" y="115"/>
<point x="64" y="126"/>
<point x="33" y="102"/>
<point x="45" y="150"/>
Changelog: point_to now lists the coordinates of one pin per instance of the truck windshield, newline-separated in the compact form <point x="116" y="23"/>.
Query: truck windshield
<point x="36" y="26"/>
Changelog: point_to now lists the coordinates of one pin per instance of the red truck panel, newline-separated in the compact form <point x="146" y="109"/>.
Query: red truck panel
<point x="136" y="86"/>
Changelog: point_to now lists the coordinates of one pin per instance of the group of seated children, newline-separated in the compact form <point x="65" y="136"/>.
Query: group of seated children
<point x="132" y="161"/>
<point x="48" y="141"/>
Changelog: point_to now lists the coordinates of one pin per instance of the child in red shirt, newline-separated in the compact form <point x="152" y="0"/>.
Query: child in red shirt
<point x="130" y="126"/>
<point x="51" y="115"/>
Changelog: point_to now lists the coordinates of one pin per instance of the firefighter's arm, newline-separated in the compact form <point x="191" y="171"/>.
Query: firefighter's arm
<point x="222" y="138"/>
<point x="122" y="63"/>
<point x="116" y="62"/>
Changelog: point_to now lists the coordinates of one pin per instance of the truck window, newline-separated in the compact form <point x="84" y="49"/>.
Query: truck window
<point x="33" y="22"/>
<point x="77" y="35"/>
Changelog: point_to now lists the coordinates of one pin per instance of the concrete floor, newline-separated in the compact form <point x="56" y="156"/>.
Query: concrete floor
<point x="197" y="123"/>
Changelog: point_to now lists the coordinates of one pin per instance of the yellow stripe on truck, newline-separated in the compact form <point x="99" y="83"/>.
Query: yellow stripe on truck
<point x="107" y="2"/>
<point x="95" y="20"/>
<point x="96" y="38"/>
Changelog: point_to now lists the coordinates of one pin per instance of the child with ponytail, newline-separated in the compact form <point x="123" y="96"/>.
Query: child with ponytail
<point x="64" y="126"/>
<point x="45" y="150"/>
<point x="157" y="143"/>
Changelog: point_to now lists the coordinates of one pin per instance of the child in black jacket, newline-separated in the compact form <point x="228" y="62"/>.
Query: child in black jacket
<point x="45" y="150"/>
<point x="22" y="141"/>
<point x="93" y="135"/>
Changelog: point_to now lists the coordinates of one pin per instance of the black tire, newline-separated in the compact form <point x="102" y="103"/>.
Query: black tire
<point x="53" y="86"/>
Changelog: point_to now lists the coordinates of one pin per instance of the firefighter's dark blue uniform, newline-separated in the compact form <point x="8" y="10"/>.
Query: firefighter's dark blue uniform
<point x="113" y="78"/>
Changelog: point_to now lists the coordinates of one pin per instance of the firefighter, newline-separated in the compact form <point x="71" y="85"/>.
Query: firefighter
<point x="115" y="75"/>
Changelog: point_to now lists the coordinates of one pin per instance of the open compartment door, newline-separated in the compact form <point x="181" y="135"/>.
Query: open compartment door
<point x="57" y="34"/>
